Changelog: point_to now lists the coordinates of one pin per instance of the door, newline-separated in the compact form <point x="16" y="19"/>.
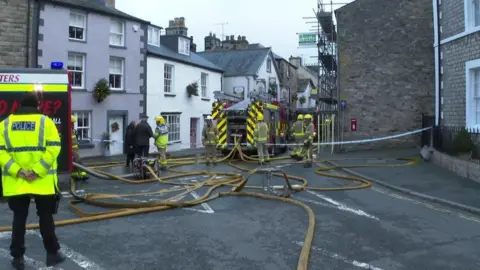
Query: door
<point x="193" y="132"/>
<point x="116" y="130"/>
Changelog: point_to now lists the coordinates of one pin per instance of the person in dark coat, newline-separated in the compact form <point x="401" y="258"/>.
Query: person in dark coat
<point x="142" y="134"/>
<point x="129" y="143"/>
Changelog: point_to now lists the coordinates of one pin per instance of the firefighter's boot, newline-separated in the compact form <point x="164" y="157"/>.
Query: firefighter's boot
<point x="54" y="259"/>
<point x="18" y="263"/>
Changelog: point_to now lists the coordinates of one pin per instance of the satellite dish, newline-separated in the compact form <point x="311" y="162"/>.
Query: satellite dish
<point x="135" y="28"/>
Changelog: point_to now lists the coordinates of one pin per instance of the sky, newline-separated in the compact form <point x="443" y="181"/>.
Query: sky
<point x="273" y="23"/>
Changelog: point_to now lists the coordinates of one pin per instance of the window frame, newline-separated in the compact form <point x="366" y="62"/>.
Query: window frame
<point x="84" y="26"/>
<point x="83" y="56"/>
<point x="269" y="65"/>
<point x="184" y="46"/>
<point x="113" y="34"/>
<point x="165" y="79"/>
<point x="470" y="109"/>
<point x="204" y="84"/>
<point x="288" y="71"/>
<point x="151" y="30"/>
<point x="122" y="80"/>
<point x="173" y="132"/>
<point x="470" y="16"/>
<point x="88" y="128"/>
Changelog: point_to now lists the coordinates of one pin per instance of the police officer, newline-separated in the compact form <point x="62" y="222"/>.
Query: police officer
<point x="298" y="134"/>
<point x="77" y="174"/>
<point x="29" y="147"/>
<point x="210" y="140"/>
<point x="308" y="141"/>
<point x="260" y="136"/>
<point x="161" y="141"/>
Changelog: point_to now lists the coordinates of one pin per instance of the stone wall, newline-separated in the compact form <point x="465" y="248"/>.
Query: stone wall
<point x="453" y="17"/>
<point x="290" y="82"/>
<point x="386" y="68"/>
<point x="463" y="168"/>
<point x="14" y="51"/>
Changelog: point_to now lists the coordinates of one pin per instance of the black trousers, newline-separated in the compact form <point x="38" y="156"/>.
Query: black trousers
<point x="130" y="157"/>
<point x="142" y="150"/>
<point x="45" y="207"/>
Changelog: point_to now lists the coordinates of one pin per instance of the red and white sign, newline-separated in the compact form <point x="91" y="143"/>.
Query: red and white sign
<point x="353" y="124"/>
<point x="34" y="78"/>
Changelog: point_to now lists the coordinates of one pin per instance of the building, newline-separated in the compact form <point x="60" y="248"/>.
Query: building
<point x="96" y="41"/>
<point x="172" y="56"/>
<point x="304" y="100"/>
<point x="457" y="52"/>
<point x="386" y="69"/>
<point x="177" y="27"/>
<point x="303" y="72"/>
<point x="288" y="78"/>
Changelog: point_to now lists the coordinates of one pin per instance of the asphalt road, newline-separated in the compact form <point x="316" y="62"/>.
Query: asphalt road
<point x="363" y="229"/>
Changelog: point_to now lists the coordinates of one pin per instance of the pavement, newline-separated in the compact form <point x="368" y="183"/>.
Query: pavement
<point x="374" y="228"/>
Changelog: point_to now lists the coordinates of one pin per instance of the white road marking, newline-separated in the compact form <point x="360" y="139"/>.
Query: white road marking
<point x="341" y="206"/>
<point x="341" y="258"/>
<point x="332" y="206"/>
<point x="204" y="205"/>
<point x="29" y="262"/>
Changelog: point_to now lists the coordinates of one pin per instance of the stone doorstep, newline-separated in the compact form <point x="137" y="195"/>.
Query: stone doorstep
<point x="463" y="168"/>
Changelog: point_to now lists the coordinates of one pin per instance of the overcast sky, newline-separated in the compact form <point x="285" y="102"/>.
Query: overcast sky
<point x="273" y="23"/>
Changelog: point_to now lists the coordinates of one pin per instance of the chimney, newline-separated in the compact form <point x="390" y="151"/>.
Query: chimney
<point x="110" y="3"/>
<point x="296" y="61"/>
<point x="239" y="38"/>
<point x="232" y="37"/>
<point x="227" y="38"/>
<point x="244" y="38"/>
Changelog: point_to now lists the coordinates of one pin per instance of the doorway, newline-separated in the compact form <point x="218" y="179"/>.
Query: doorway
<point x="116" y="130"/>
<point x="193" y="132"/>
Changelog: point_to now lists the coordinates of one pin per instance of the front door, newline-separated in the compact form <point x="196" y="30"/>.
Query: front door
<point x="193" y="132"/>
<point x="116" y="129"/>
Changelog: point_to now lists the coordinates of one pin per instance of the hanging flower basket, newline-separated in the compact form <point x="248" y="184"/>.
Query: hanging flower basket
<point x="115" y="127"/>
<point x="303" y="100"/>
<point x="192" y="89"/>
<point x="101" y="90"/>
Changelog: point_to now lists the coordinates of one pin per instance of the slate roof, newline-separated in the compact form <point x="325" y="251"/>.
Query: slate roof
<point x="255" y="46"/>
<point x="303" y="83"/>
<point x="237" y="62"/>
<point x="95" y="6"/>
<point x="193" y="59"/>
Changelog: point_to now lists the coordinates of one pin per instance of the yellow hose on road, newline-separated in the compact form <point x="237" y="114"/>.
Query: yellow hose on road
<point x="236" y="181"/>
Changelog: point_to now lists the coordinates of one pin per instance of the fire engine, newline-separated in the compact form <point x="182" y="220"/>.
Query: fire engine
<point x="238" y="119"/>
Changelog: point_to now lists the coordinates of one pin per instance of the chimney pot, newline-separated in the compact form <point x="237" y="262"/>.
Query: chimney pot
<point x="232" y="37"/>
<point x="228" y="38"/>
<point x="244" y="38"/>
<point x="239" y="38"/>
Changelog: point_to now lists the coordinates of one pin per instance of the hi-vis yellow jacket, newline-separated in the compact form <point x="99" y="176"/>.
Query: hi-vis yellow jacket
<point x="30" y="142"/>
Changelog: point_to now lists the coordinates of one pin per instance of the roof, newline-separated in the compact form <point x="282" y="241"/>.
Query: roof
<point x="255" y="46"/>
<point x="193" y="59"/>
<point x="240" y="106"/>
<point x="303" y="83"/>
<point x="237" y="62"/>
<point x="96" y="6"/>
<point x="314" y="68"/>
<point x="279" y="58"/>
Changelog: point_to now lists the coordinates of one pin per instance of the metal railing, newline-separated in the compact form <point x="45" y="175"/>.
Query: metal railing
<point x="444" y="137"/>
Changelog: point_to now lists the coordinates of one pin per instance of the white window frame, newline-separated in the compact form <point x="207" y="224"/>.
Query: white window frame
<point x="113" y="35"/>
<point x="288" y="71"/>
<point x="168" y="86"/>
<point x="152" y="39"/>
<point x="122" y="72"/>
<point x="82" y="61"/>
<point x="74" y="24"/>
<point x="173" y="121"/>
<point x="184" y="46"/>
<point x="470" y="12"/>
<point x="471" y="111"/>
<point x="79" y="115"/>
<point x="269" y="65"/>
<point x="204" y="84"/>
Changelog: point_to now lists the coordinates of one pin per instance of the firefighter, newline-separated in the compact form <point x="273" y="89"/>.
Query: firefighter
<point x="298" y="133"/>
<point x="29" y="148"/>
<point x="161" y="141"/>
<point x="210" y="140"/>
<point x="260" y="136"/>
<point x="308" y="141"/>
<point x="77" y="174"/>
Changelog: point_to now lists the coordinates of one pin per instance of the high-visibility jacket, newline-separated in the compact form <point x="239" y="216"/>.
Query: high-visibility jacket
<point x="309" y="132"/>
<point x="298" y="129"/>
<point x="210" y="135"/>
<point x="29" y="142"/>
<point x="74" y="139"/>
<point x="161" y="136"/>
<point x="261" y="132"/>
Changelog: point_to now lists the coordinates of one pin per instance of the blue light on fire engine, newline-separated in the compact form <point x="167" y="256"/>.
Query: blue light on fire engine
<point x="56" y="65"/>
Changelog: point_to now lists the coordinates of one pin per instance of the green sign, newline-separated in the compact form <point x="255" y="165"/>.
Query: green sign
<point x="307" y="39"/>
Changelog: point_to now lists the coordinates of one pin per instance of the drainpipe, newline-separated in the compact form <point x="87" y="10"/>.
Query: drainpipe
<point x="27" y="56"/>
<point x="248" y="88"/>
<point x="436" y="46"/>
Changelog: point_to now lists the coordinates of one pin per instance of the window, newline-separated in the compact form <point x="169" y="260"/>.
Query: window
<point x="83" y="125"/>
<point x="77" y="26"/>
<point x="76" y="66"/>
<point x="473" y="93"/>
<point x="203" y="84"/>
<point x="476" y="12"/>
<point x="117" y="33"/>
<point x="116" y="73"/>
<point x="184" y="46"/>
<point x="167" y="78"/>
<point x="153" y="36"/>
<point x="288" y="71"/>
<point x="472" y="14"/>
<point x="269" y="65"/>
<point x="476" y="95"/>
<point x="173" y="123"/>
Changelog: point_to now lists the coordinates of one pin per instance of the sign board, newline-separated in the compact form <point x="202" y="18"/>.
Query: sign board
<point x="239" y="91"/>
<point x="307" y="39"/>
<point x="343" y="105"/>
<point x="353" y="125"/>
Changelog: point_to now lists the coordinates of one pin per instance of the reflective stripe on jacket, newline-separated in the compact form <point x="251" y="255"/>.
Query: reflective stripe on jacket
<point x="29" y="142"/>
<point x="298" y="129"/>
<point x="261" y="132"/>
<point x="161" y="136"/>
<point x="309" y="131"/>
<point x="210" y="135"/>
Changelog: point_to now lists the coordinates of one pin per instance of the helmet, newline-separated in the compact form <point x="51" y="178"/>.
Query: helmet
<point x="300" y="117"/>
<point x="160" y="119"/>
<point x="260" y="117"/>
<point x="209" y="117"/>
<point x="308" y="116"/>
<point x="74" y="119"/>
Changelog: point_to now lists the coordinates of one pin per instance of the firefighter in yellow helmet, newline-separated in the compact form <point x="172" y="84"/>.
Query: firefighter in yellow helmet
<point x="77" y="174"/>
<point x="260" y="135"/>
<point x="298" y="133"/>
<point x="161" y="141"/>
<point x="210" y="140"/>
<point x="308" y="140"/>
<point x="29" y="148"/>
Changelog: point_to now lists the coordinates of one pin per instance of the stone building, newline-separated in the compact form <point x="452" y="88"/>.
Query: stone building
<point x="386" y="69"/>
